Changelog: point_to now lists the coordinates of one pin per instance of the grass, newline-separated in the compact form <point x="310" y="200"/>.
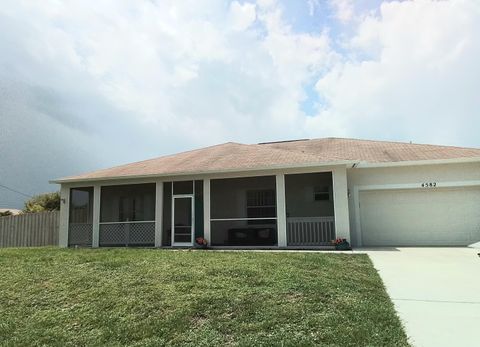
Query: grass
<point x="145" y="297"/>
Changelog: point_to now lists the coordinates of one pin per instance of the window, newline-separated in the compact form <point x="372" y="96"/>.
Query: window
<point x="260" y="204"/>
<point x="322" y="193"/>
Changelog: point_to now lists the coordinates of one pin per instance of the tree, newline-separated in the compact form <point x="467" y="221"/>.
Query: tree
<point x="43" y="202"/>
<point x="6" y="213"/>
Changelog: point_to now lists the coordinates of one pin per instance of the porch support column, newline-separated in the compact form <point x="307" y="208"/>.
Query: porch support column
<point x="281" y="211"/>
<point x="206" y="211"/>
<point x="64" y="216"/>
<point x="158" y="213"/>
<point x="96" y="216"/>
<point x="340" y="201"/>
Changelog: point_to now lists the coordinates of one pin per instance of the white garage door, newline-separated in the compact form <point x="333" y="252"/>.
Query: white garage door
<point x="426" y="217"/>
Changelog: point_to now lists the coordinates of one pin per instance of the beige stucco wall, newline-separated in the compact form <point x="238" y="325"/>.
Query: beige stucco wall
<point x="411" y="176"/>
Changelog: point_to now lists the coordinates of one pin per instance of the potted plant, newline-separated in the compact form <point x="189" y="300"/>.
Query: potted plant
<point x="341" y="244"/>
<point x="200" y="242"/>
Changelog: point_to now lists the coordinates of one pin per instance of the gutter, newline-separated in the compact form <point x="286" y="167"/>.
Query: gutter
<point x="366" y="165"/>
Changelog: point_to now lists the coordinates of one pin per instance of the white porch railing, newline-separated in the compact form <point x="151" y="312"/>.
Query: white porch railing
<point x="310" y="231"/>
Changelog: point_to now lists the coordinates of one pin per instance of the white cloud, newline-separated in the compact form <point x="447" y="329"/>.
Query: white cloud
<point x="266" y="4"/>
<point x="343" y="9"/>
<point x="242" y="15"/>
<point x="312" y="6"/>
<point x="145" y="78"/>
<point x="135" y="79"/>
<point x="415" y="77"/>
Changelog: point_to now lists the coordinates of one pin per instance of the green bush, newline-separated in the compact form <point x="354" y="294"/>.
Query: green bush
<point x="43" y="202"/>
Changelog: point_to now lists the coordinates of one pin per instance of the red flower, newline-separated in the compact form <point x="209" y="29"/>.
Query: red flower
<point x="339" y="241"/>
<point x="201" y="241"/>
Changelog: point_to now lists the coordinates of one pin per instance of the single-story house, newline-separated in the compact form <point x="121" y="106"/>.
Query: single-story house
<point x="288" y="194"/>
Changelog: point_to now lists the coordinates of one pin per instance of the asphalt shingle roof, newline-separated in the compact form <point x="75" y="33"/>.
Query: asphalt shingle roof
<point x="237" y="157"/>
<point x="375" y="151"/>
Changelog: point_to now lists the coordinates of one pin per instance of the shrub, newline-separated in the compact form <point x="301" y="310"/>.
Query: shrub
<point x="43" y="202"/>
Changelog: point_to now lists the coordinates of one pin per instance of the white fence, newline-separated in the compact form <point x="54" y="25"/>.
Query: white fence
<point x="310" y="231"/>
<point x="29" y="230"/>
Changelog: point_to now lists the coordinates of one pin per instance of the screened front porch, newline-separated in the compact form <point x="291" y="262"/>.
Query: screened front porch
<point x="291" y="210"/>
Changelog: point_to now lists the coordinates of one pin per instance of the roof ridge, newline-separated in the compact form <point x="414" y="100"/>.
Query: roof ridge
<point x="286" y="150"/>
<point x="281" y="141"/>
<point x="390" y="141"/>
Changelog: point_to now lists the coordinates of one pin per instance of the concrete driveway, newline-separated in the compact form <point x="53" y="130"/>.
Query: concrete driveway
<point x="436" y="292"/>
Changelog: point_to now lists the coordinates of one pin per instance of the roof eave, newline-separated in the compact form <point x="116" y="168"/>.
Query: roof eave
<point x="354" y="163"/>
<point x="207" y="172"/>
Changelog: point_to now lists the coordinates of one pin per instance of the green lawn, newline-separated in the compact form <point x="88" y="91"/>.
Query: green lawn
<point x="192" y="298"/>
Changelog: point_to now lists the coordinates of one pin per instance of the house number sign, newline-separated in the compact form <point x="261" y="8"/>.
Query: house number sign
<point x="429" y="184"/>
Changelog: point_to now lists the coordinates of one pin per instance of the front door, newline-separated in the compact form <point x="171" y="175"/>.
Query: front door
<point x="182" y="220"/>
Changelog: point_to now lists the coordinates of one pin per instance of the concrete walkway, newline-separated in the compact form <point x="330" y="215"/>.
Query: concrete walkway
<point x="436" y="292"/>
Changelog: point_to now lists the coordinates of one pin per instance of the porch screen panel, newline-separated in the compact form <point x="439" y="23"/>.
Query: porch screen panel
<point x="182" y="187"/>
<point x="302" y="195"/>
<point x="127" y="215"/>
<point x="309" y="209"/>
<point x="243" y="211"/>
<point x="80" y="217"/>
<point x="126" y="203"/>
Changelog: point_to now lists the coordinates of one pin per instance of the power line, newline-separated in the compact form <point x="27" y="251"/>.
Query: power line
<point x="15" y="191"/>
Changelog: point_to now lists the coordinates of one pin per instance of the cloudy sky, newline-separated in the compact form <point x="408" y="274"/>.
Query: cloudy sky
<point x="91" y="84"/>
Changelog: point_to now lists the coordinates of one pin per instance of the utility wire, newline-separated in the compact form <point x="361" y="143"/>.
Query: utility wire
<point x="15" y="191"/>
